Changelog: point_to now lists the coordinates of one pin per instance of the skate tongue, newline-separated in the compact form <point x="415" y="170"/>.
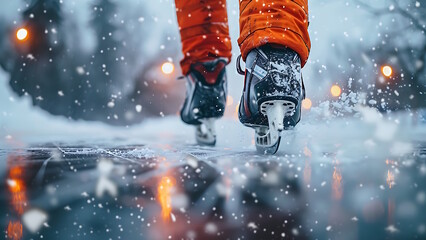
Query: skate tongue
<point x="210" y="71"/>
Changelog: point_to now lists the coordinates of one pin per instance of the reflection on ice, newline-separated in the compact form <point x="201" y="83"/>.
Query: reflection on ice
<point x="34" y="219"/>
<point x="390" y="179"/>
<point x="337" y="183"/>
<point x="136" y="192"/>
<point x="166" y="186"/>
<point x="14" y="230"/>
<point x="105" y="185"/>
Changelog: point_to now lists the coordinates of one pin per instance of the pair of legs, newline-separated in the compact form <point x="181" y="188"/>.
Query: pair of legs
<point x="273" y="40"/>
<point x="203" y="26"/>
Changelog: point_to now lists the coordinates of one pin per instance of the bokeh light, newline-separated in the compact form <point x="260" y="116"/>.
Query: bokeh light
<point x="335" y="90"/>
<point x="306" y="103"/>
<point x="387" y="71"/>
<point x="21" y="34"/>
<point x="167" y="68"/>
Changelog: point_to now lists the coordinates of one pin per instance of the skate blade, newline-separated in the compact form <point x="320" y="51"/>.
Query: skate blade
<point x="205" y="133"/>
<point x="268" y="138"/>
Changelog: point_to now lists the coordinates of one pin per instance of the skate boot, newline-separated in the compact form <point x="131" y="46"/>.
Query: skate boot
<point x="205" y="98"/>
<point x="272" y="95"/>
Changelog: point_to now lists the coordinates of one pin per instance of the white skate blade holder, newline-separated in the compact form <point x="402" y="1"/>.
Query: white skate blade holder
<point x="268" y="138"/>
<point x="205" y="133"/>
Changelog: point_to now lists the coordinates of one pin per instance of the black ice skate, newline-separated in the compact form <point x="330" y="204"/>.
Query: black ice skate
<point x="272" y="95"/>
<point x="205" y="98"/>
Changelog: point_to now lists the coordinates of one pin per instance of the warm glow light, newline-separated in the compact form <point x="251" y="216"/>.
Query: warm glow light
<point x="337" y="184"/>
<point x="17" y="189"/>
<point x="307" y="103"/>
<point x="387" y="71"/>
<point x="390" y="179"/>
<point x="167" y="68"/>
<point x="12" y="183"/>
<point x="21" y="34"/>
<point x="15" y="185"/>
<point x="335" y="90"/>
<point x="14" y="230"/>
<point x="165" y="188"/>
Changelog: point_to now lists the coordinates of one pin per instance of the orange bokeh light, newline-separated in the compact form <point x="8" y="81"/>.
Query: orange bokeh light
<point x="164" y="189"/>
<point x="387" y="71"/>
<point x="335" y="90"/>
<point x="22" y="34"/>
<point x="167" y="68"/>
<point x="306" y="103"/>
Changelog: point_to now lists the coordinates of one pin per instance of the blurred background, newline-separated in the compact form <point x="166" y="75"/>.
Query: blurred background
<point x="117" y="61"/>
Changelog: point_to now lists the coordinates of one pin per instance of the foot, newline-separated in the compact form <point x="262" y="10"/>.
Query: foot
<point x="205" y="98"/>
<point x="272" y="94"/>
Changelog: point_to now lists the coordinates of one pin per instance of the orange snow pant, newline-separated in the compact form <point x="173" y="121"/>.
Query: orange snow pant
<point x="204" y="30"/>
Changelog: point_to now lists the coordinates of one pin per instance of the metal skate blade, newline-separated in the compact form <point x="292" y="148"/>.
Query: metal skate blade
<point x="265" y="144"/>
<point x="268" y="138"/>
<point x="205" y="133"/>
<point x="268" y="149"/>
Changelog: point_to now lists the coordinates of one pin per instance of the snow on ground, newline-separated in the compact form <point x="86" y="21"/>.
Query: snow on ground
<point x="368" y="133"/>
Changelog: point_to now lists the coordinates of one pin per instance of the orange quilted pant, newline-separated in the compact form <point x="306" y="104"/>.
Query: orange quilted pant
<point x="204" y="31"/>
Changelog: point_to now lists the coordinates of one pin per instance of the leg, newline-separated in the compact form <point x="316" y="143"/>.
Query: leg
<point x="275" y="45"/>
<point x="204" y="31"/>
<point x="206" y="46"/>
<point x="278" y="22"/>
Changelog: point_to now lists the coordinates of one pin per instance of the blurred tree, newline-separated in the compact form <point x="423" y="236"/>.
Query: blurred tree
<point x="7" y="54"/>
<point x="36" y="70"/>
<point x="65" y="77"/>
<point x="403" y="47"/>
<point x="107" y="64"/>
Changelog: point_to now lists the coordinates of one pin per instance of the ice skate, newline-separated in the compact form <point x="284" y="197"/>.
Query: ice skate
<point x="205" y="99"/>
<point x="272" y="94"/>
